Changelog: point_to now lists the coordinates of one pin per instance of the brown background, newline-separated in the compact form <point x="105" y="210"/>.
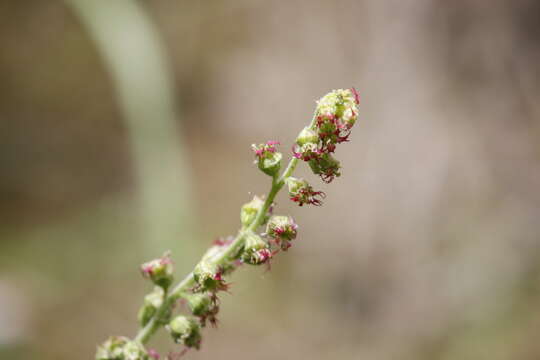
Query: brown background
<point x="426" y="248"/>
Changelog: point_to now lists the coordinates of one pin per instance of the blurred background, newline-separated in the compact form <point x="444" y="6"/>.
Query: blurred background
<point x="125" y="130"/>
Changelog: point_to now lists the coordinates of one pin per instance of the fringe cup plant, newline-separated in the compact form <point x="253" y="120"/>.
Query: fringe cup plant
<point x="261" y="237"/>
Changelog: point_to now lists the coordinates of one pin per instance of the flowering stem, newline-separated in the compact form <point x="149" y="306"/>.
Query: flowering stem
<point x="331" y="124"/>
<point x="188" y="282"/>
<point x="149" y="329"/>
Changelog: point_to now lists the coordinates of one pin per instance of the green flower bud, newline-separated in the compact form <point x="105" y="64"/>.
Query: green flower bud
<point x="209" y="277"/>
<point x="307" y="145"/>
<point x="199" y="304"/>
<point x="268" y="159"/>
<point x="185" y="330"/>
<point x="295" y="185"/>
<point x="151" y="303"/>
<point x="256" y="250"/>
<point x="307" y="136"/>
<point x="282" y="229"/>
<point x="302" y="193"/>
<point x="335" y="115"/>
<point x="271" y="164"/>
<point x="204" y="306"/>
<point x="145" y="314"/>
<point x="121" y="348"/>
<point x="249" y="211"/>
<point x="160" y="271"/>
<point x="326" y="166"/>
<point x="338" y="107"/>
<point x="327" y="105"/>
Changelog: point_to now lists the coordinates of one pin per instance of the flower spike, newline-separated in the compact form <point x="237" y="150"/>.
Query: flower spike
<point x="331" y="125"/>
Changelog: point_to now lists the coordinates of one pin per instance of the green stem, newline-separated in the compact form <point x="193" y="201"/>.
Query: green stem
<point x="153" y="325"/>
<point x="150" y="328"/>
<point x="288" y="171"/>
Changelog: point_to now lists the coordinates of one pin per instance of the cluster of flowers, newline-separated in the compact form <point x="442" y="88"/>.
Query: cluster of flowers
<point x="269" y="161"/>
<point x="335" y="115"/>
<point x="202" y="302"/>
<point x="209" y="277"/>
<point x="260" y="248"/>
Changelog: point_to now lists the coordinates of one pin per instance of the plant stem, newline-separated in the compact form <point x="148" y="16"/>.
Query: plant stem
<point x="288" y="171"/>
<point x="188" y="282"/>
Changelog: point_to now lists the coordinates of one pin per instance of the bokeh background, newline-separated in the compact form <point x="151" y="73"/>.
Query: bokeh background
<point x="125" y="130"/>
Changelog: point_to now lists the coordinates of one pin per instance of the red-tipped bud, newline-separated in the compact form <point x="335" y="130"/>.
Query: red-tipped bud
<point x="160" y="270"/>
<point x="256" y="250"/>
<point x="282" y="229"/>
<point x="302" y="193"/>
<point x="338" y="109"/>
<point x="267" y="157"/>
<point x="209" y="277"/>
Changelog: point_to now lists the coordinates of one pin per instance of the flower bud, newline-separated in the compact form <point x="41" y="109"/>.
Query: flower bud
<point x="121" y="348"/>
<point x="185" y="330"/>
<point x="204" y="306"/>
<point x="306" y="146"/>
<point x="249" y="211"/>
<point x="270" y="164"/>
<point x="199" y="303"/>
<point x="256" y="250"/>
<point x="302" y="193"/>
<point x="209" y="277"/>
<point x="282" y="229"/>
<point x="307" y="151"/>
<point x="268" y="159"/>
<point x="295" y="185"/>
<point x="160" y="271"/>
<point x="326" y="166"/>
<point x="151" y="303"/>
<point x="339" y="108"/>
<point x="349" y="117"/>
<point x="307" y="136"/>
<point x="335" y="115"/>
